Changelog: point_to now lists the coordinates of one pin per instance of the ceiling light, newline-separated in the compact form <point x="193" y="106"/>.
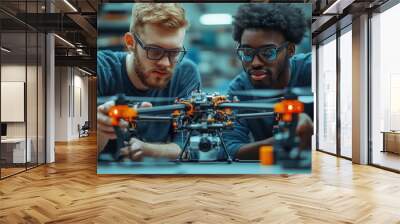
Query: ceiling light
<point x="338" y="6"/>
<point x="84" y="71"/>
<point x="216" y="19"/>
<point x="65" y="41"/>
<point x="71" y="6"/>
<point x="328" y="10"/>
<point x="5" y="49"/>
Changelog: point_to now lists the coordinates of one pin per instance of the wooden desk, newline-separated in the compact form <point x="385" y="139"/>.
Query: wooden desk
<point x="391" y="141"/>
<point x="13" y="150"/>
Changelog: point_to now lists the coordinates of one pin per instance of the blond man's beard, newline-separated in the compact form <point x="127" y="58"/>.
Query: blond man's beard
<point x="139" y="71"/>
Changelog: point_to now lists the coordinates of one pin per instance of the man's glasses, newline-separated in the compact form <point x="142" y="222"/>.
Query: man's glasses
<point x="157" y="53"/>
<point x="267" y="54"/>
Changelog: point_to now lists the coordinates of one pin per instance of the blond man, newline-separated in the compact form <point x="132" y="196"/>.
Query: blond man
<point x="153" y="66"/>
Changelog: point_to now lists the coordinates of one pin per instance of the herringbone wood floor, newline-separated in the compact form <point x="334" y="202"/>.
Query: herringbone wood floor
<point x="69" y="191"/>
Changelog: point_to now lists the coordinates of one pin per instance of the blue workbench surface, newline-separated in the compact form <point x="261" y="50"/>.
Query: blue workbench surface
<point x="166" y="167"/>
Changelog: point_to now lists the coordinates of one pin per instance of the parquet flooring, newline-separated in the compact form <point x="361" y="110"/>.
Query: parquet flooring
<point x="9" y="171"/>
<point x="70" y="191"/>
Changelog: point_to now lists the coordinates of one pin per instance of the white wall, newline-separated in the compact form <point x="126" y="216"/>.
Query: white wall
<point x="71" y="94"/>
<point x="81" y="100"/>
<point x="14" y="73"/>
<point x="33" y="127"/>
<point x="61" y="103"/>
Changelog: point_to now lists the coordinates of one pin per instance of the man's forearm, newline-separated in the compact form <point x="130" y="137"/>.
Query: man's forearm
<point x="250" y="151"/>
<point x="168" y="150"/>
<point x="101" y="142"/>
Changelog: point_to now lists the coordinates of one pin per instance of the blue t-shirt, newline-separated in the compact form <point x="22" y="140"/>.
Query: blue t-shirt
<point x="113" y="79"/>
<point x="249" y="130"/>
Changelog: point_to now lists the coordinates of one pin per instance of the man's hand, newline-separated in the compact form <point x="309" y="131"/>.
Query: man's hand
<point x="305" y="131"/>
<point x="138" y="149"/>
<point x="104" y="126"/>
<point x="105" y="129"/>
<point x="104" y="121"/>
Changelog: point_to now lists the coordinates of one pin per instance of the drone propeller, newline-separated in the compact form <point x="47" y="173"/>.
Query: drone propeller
<point x="267" y="100"/>
<point x="306" y="99"/>
<point x="269" y="93"/>
<point x="301" y="91"/>
<point x="259" y="92"/>
<point x="135" y="99"/>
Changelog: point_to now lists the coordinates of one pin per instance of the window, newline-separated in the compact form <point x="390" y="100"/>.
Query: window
<point x="385" y="89"/>
<point x="346" y="92"/>
<point x="22" y="74"/>
<point x="327" y="95"/>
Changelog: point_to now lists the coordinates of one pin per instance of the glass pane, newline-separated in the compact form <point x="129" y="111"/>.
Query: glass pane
<point x="346" y="94"/>
<point x="385" y="85"/>
<point x="32" y="96"/>
<point x="314" y="84"/>
<point x="13" y="86"/>
<point x="327" y="96"/>
<point x="41" y="99"/>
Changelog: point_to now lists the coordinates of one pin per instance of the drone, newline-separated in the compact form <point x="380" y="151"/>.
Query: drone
<point x="204" y="117"/>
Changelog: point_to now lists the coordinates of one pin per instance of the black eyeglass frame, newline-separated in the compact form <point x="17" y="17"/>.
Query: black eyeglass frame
<point x="164" y="51"/>
<point x="256" y="51"/>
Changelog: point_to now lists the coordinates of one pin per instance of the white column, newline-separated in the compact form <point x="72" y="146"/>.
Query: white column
<point x="314" y="90"/>
<point x="360" y="90"/>
<point x="50" y="101"/>
<point x="50" y="92"/>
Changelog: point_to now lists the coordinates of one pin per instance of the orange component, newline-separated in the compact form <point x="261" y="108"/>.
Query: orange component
<point x="174" y="125"/>
<point x="266" y="155"/>
<point x="176" y="113"/>
<point x="218" y="100"/>
<point x="121" y="112"/>
<point x="228" y="111"/>
<point x="189" y="109"/>
<point x="287" y="117"/>
<point x="287" y="108"/>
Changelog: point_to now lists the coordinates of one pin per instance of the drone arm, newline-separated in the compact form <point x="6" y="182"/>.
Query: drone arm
<point x="159" y="109"/>
<point x="248" y="106"/>
<point x="153" y="118"/>
<point x="255" y="115"/>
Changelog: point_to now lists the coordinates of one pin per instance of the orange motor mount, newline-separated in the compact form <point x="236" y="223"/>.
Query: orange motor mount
<point x="286" y="108"/>
<point x="118" y="112"/>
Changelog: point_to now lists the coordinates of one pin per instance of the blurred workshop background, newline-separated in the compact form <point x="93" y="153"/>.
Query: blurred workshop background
<point x="208" y="40"/>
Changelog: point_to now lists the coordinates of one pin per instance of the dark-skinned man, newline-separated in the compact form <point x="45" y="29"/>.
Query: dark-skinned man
<point x="266" y="36"/>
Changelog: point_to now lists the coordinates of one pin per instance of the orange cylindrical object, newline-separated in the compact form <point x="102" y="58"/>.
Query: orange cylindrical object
<point x="118" y="112"/>
<point x="266" y="155"/>
<point x="289" y="106"/>
<point x="287" y="117"/>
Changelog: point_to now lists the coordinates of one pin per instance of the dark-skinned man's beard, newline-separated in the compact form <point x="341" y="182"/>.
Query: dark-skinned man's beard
<point x="140" y="72"/>
<point x="277" y="80"/>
